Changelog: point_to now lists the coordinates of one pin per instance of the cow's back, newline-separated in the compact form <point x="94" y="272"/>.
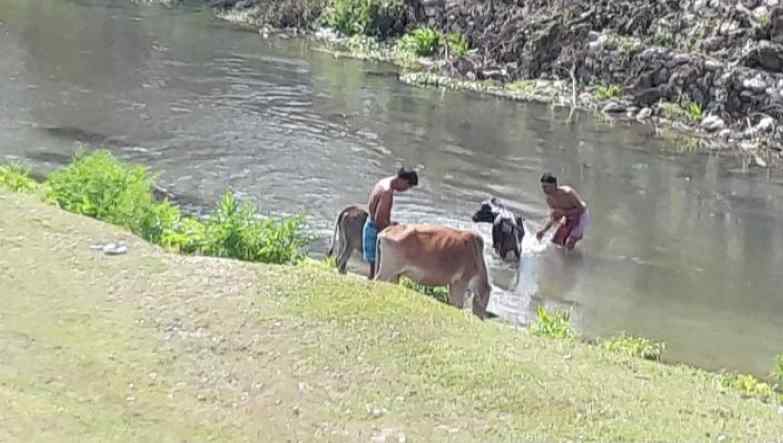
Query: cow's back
<point x="433" y="253"/>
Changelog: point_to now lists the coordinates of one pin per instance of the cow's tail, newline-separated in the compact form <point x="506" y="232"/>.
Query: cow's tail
<point x="334" y="235"/>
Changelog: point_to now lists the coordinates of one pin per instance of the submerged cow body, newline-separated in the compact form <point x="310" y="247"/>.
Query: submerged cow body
<point x="348" y="230"/>
<point x="507" y="228"/>
<point x="436" y="256"/>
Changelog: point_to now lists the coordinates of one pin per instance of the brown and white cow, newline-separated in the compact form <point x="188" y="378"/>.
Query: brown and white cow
<point x="348" y="230"/>
<point x="436" y="256"/>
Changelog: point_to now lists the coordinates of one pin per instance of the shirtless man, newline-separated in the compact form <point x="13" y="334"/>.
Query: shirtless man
<point x="380" y="206"/>
<point x="565" y="203"/>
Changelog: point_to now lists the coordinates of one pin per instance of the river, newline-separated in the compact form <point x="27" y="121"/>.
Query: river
<point x="685" y="248"/>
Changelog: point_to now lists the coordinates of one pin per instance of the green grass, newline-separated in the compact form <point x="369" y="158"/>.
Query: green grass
<point x="634" y="347"/>
<point x="458" y="44"/>
<point x="367" y="17"/>
<point x="748" y="386"/>
<point x="607" y="92"/>
<point x="777" y="371"/>
<point x="555" y="324"/>
<point x="440" y="293"/>
<point x="686" y="110"/>
<point x="16" y="177"/>
<point x="421" y="42"/>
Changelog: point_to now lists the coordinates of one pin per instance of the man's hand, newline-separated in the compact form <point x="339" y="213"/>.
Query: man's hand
<point x="557" y="215"/>
<point x="540" y="235"/>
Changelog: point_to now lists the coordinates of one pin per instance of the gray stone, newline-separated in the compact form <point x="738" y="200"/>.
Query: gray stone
<point x="776" y="25"/>
<point x="712" y="123"/>
<point x="614" y="107"/>
<point x="644" y="114"/>
<point x="755" y="84"/>
<point x="761" y="12"/>
<point x="765" y="125"/>
<point x="764" y="55"/>
<point x="725" y="134"/>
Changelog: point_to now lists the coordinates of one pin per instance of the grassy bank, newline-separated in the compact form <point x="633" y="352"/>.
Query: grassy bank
<point x="156" y="346"/>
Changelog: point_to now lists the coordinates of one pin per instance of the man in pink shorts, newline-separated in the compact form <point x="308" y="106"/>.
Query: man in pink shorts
<point x="565" y="203"/>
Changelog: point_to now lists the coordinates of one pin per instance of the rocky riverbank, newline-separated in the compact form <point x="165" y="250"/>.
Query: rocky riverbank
<point x="710" y="68"/>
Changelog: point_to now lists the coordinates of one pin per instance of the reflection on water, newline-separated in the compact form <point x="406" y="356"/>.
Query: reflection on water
<point x="681" y="249"/>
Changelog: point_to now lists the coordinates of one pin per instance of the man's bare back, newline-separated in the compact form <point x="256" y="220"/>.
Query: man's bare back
<point x="380" y="208"/>
<point x="381" y="202"/>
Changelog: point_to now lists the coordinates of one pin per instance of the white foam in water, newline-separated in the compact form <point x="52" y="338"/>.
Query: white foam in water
<point x="531" y="245"/>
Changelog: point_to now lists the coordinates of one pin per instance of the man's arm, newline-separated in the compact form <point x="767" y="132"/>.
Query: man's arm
<point x="383" y="211"/>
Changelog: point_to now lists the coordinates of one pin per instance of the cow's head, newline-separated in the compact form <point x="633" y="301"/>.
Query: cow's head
<point x="487" y="211"/>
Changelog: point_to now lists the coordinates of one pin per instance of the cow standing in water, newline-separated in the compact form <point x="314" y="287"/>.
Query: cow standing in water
<point x="348" y="231"/>
<point x="508" y="229"/>
<point x="436" y="256"/>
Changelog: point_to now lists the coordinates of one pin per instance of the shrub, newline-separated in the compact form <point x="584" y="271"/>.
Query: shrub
<point x="607" y="92"/>
<point x="380" y="18"/>
<point x="748" y="386"/>
<point x="635" y="347"/>
<point x="100" y="186"/>
<point x="422" y="42"/>
<point x="16" y="178"/>
<point x="458" y="44"/>
<point x="236" y="231"/>
<point x="777" y="371"/>
<point x="555" y="324"/>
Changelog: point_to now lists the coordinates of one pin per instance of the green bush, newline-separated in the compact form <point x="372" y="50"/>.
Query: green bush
<point x="422" y="42"/>
<point x="554" y="325"/>
<point x="379" y="18"/>
<point x="607" y="92"/>
<point x="458" y="44"/>
<point x="748" y="386"/>
<point x="236" y="231"/>
<point x="635" y="347"/>
<point x="16" y="178"/>
<point x="777" y="371"/>
<point x="100" y="186"/>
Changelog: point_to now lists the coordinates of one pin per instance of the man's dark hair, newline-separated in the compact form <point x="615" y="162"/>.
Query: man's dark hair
<point x="409" y="175"/>
<point x="548" y="178"/>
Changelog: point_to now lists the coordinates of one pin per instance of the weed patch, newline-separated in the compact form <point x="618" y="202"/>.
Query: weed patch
<point x="378" y="18"/>
<point x="16" y="177"/>
<point x="635" y="347"/>
<point x="554" y="324"/>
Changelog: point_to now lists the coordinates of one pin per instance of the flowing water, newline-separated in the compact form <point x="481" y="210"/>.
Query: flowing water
<point x="683" y="248"/>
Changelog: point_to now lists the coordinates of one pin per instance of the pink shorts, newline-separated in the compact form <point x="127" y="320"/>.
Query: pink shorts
<point x="572" y="229"/>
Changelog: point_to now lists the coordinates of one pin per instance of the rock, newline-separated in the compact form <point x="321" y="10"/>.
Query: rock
<point x="764" y="55"/>
<point x="644" y="114"/>
<point x="765" y="125"/>
<point x="761" y="13"/>
<point x="755" y="84"/>
<point x="698" y="5"/>
<point x="712" y="123"/>
<point x="772" y="3"/>
<point x="725" y="134"/>
<point x="776" y="24"/>
<point x="614" y="107"/>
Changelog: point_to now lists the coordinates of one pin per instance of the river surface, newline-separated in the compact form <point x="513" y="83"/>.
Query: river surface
<point x="683" y="248"/>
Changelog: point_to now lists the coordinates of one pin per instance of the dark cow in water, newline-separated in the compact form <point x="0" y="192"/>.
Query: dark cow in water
<point x="348" y="230"/>
<point x="507" y="228"/>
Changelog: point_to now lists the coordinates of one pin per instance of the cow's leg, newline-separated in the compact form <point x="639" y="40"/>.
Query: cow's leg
<point x="457" y="294"/>
<point x="481" y="300"/>
<point x="386" y="267"/>
<point x="345" y="254"/>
